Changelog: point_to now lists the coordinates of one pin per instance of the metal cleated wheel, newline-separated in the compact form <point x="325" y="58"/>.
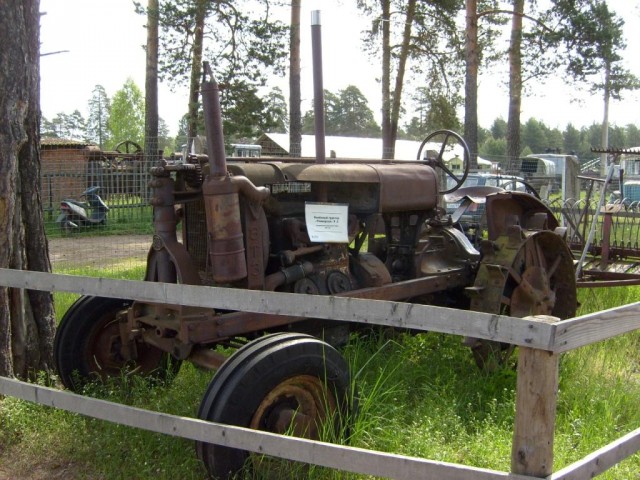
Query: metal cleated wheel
<point x="286" y="383"/>
<point x="534" y="276"/>
<point x="87" y="345"/>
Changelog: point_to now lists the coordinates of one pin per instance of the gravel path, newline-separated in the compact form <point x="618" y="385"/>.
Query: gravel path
<point x="95" y="251"/>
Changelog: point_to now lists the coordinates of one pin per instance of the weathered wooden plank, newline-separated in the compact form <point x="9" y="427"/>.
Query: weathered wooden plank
<point x="517" y="331"/>
<point x="536" y="396"/>
<point x="351" y="459"/>
<point x="602" y="459"/>
<point x="595" y="327"/>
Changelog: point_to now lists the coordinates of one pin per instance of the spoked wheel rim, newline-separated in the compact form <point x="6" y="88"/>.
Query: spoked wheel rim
<point x="538" y="280"/>
<point x="128" y="146"/>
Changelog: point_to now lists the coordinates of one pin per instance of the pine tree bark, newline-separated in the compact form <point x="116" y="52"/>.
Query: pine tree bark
<point x="151" y="84"/>
<point x="605" y="119"/>
<point x="387" y="143"/>
<point x="402" y="66"/>
<point x="27" y="320"/>
<point x="392" y="101"/>
<point x="196" y="70"/>
<point x="515" y="83"/>
<point x="471" y="81"/>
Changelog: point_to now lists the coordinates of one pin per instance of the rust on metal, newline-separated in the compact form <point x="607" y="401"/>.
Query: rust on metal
<point x="244" y="226"/>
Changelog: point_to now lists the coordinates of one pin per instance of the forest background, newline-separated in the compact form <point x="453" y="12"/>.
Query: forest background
<point x="349" y="56"/>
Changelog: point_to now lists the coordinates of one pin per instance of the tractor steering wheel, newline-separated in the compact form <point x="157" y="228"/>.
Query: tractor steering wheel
<point x="445" y="137"/>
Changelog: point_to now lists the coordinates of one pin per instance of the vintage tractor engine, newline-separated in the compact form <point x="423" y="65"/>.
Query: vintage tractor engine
<point x="388" y="206"/>
<point x="368" y="230"/>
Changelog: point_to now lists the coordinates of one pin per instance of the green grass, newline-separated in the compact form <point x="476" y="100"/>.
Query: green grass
<point x="124" y="269"/>
<point x="419" y="395"/>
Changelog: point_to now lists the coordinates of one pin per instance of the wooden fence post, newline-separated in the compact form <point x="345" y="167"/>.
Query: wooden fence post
<point x="536" y="395"/>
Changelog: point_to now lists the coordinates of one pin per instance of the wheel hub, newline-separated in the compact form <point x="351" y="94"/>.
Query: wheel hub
<point x="296" y="406"/>
<point x="533" y="296"/>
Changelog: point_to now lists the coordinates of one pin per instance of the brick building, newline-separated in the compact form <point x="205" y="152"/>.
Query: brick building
<point x="63" y="170"/>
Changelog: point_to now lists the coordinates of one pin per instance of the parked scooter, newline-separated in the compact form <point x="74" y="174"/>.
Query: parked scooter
<point x="75" y="214"/>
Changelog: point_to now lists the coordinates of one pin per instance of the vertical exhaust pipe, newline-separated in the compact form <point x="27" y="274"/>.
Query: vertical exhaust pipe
<point x="221" y="193"/>
<point x="318" y="99"/>
<point x="221" y="200"/>
<point x="213" y="123"/>
<point x="318" y="88"/>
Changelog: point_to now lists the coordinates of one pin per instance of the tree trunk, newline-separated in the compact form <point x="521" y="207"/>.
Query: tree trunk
<point x="402" y="64"/>
<point x="515" y="83"/>
<point x="196" y="70"/>
<point x="151" y="84"/>
<point x="27" y="320"/>
<point x="295" y="115"/>
<point x="387" y="138"/>
<point x="392" y="101"/>
<point x="471" y="82"/>
<point x="605" y="119"/>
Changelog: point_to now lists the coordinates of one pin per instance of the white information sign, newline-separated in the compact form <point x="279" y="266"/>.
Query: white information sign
<point x="327" y="222"/>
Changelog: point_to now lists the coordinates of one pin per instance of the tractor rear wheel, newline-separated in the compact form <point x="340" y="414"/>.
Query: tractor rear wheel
<point x="88" y="345"/>
<point x="534" y="277"/>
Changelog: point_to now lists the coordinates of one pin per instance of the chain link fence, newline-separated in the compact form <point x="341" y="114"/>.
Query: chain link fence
<point x="98" y="215"/>
<point x="96" y="204"/>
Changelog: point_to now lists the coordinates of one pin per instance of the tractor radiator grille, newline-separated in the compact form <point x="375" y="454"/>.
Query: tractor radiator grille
<point x="195" y="233"/>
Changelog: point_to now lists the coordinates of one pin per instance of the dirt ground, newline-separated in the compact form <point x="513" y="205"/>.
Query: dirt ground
<point x="47" y="469"/>
<point x="96" y="250"/>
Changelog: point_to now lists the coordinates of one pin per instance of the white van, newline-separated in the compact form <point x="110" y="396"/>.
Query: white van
<point x="551" y="172"/>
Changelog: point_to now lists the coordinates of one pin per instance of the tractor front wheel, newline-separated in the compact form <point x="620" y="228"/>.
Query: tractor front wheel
<point x="284" y="383"/>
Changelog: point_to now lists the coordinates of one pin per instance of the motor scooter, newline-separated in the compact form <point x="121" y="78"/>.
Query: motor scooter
<point x="75" y="214"/>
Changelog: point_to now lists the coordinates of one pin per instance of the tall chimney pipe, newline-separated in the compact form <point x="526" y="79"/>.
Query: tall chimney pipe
<point x="318" y="88"/>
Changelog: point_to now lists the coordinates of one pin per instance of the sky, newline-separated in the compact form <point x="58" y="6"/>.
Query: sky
<point x="103" y="43"/>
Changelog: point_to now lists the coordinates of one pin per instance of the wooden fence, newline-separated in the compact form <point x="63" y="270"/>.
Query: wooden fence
<point x="541" y="341"/>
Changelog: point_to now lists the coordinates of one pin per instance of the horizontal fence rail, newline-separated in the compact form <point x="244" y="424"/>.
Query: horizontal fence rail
<point x="351" y="459"/>
<point x="601" y="460"/>
<point x="595" y="327"/>
<point x="534" y="334"/>
<point x="540" y="332"/>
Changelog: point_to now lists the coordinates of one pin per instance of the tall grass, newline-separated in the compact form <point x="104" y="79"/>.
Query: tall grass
<point x="418" y="395"/>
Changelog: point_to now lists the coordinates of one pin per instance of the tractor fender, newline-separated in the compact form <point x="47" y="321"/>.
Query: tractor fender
<point x="511" y="208"/>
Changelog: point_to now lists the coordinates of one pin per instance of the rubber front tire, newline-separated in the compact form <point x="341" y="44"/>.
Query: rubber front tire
<point x="87" y="345"/>
<point x="282" y="383"/>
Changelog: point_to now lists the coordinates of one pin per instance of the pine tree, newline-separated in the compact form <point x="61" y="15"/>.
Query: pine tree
<point x="99" y="106"/>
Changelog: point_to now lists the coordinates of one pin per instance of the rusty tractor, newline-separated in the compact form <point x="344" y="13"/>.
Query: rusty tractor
<point x="368" y="230"/>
